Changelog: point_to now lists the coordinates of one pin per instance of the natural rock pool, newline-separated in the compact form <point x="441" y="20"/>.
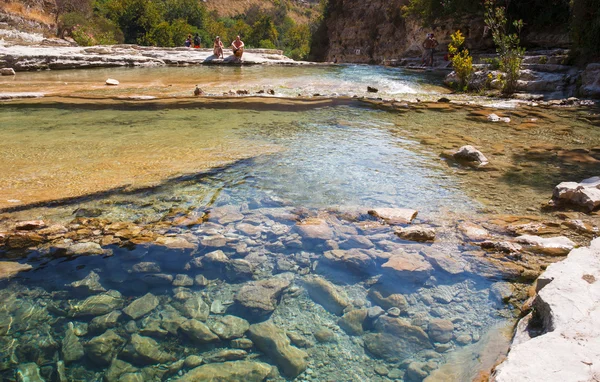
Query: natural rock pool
<point x="248" y="239"/>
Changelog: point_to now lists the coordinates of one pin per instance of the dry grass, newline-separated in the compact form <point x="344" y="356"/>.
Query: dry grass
<point x="34" y="14"/>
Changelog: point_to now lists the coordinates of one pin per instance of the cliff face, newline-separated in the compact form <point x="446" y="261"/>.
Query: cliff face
<point x="375" y="31"/>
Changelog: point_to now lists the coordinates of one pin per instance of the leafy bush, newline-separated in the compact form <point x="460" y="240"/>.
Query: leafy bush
<point x="88" y="31"/>
<point x="462" y="62"/>
<point x="507" y="44"/>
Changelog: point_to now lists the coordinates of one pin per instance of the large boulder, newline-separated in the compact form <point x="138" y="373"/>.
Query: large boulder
<point x="585" y="193"/>
<point x="568" y="307"/>
<point x="273" y="341"/>
<point x="260" y="297"/>
<point x="326" y="294"/>
<point x="238" y="371"/>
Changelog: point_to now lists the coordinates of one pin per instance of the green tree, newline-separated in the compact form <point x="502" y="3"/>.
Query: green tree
<point x="263" y="29"/>
<point x="508" y="45"/>
<point x="135" y="17"/>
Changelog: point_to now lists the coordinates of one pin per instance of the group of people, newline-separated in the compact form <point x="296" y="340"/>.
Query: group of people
<point x="237" y="46"/>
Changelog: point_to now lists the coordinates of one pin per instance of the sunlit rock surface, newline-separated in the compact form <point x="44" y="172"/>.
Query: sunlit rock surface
<point x="568" y="309"/>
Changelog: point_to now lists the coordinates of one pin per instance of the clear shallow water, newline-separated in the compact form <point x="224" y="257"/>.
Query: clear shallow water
<point x="216" y="80"/>
<point x="321" y="165"/>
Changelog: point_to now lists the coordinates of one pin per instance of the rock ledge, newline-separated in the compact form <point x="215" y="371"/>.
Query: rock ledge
<point x="568" y="309"/>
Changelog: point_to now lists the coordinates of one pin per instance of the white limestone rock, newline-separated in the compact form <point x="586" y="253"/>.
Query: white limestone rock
<point x="585" y="193"/>
<point x="553" y="246"/>
<point x="568" y="304"/>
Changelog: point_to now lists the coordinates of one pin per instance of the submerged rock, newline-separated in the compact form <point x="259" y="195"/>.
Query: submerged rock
<point x="226" y="355"/>
<point x="326" y="294"/>
<point x="29" y="372"/>
<point x="260" y="297"/>
<point x="194" y="307"/>
<point x="107" y="321"/>
<point x="145" y="351"/>
<point x="394" y="216"/>
<point x="396" y="339"/>
<point x="353" y="259"/>
<point x="89" y="285"/>
<point x="10" y="269"/>
<point x="98" y="305"/>
<point x="272" y="341"/>
<point x="102" y="349"/>
<point x="229" y="327"/>
<point x="141" y="306"/>
<point x="441" y="330"/>
<point x="198" y="332"/>
<point x="316" y="229"/>
<point x="352" y="322"/>
<point x="553" y="246"/>
<point x="408" y="265"/>
<point x="72" y="349"/>
<point x="585" y="194"/>
<point x="416" y="233"/>
<point x="237" y="371"/>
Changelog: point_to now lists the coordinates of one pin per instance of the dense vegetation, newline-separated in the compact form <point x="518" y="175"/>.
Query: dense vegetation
<point x="168" y="23"/>
<point x="581" y="18"/>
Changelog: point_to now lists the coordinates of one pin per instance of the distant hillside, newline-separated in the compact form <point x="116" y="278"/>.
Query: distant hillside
<point x="302" y="11"/>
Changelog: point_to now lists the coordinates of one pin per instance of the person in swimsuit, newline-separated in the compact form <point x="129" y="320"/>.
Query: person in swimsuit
<point x="218" y="47"/>
<point x="429" y="45"/>
<point x="238" y="48"/>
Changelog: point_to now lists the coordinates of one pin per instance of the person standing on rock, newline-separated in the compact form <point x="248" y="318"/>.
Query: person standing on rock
<point x="238" y="48"/>
<point x="429" y="45"/>
<point x="197" y="41"/>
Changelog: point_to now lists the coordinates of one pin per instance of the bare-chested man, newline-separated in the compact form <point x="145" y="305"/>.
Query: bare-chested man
<point x="238" y="48"/>
<point x="429" y="45"/>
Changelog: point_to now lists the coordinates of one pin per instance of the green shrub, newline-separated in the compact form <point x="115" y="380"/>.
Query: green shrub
<point x="507" y="44"/>
<point x="462" y="62"/>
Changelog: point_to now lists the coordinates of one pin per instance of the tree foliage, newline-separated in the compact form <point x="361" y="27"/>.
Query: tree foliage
<point x="462" y="62"/>
<point x="168" y="22"/>
<point x="508" y="45"/>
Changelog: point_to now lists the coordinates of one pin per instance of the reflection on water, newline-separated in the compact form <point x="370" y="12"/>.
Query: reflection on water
<point x="285" y="81"/>
<point x="272" y="261"/>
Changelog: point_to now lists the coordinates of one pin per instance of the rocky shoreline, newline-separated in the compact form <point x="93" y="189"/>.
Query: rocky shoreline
<point x="560" y="340"/>
<point x="42" y="57"/>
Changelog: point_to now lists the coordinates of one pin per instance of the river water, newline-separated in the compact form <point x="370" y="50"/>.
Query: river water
<point x="220" y="214"/>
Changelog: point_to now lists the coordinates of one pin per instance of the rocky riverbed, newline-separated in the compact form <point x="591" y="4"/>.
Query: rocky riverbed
<point x="378" y="240"/>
